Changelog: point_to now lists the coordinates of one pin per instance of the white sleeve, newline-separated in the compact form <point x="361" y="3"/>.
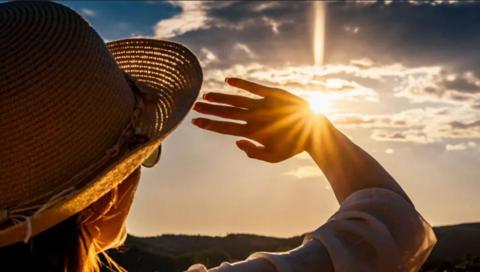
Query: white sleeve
<point x="374" y="230"/>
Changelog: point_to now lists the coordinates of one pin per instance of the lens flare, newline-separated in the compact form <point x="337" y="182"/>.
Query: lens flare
<point x="318" y="32"/>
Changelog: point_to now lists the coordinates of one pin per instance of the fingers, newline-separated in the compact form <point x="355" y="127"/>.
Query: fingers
<point x="250" y="86"/>
<point x="233" y="100"/>
<point x="256" y="152"/>
<point x="222" y="127"/>
<point x="221" y="111"/>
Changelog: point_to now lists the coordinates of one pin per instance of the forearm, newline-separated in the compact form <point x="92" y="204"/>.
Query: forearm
<point x="347" y="167"/>
<point x="309" y="257"/>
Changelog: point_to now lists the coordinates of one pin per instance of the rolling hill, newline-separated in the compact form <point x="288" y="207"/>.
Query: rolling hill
<point x="458" y="249"/>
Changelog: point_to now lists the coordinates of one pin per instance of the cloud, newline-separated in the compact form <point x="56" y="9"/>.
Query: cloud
<point x="459" y="130"/>
<point x="243" y="48"/>
<point x="352" y="29"/>
<point x="208" y="57"/>
<point x="411" y="136"/>
<point x="412" y="118"/>
<point x="192" y="17"/>
<point x="302" y="80"/>
<point x="369" y="121"/>
<point x="304" y="172"/>
<point x="242" y="14"/>
<point x="265" y="6"/>
<point x="418" y="84"/>
<point x="460" y="146"/>
<point x="385" y="35"/>
<point x="272" y="23"/>
<point x="88" y="12"/>
<point x="460" y="125"/>
<point x="421" y="125"/>
<point x="270" y="30"/>
<point x="436" y="131"/>
<point x="455" y="147"/>
<point x="441" y="86"/>
<point x="365" y="62"/>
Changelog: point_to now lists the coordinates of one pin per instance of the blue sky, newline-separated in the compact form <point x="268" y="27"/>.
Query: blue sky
<point x="402" y="80"/>
<point x="121" y="19"/>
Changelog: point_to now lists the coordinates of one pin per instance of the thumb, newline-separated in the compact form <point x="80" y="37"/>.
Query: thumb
<point x="254" y="151"/>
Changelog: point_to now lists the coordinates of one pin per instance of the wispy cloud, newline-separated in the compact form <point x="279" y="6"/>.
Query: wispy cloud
<point x="420" y="125"/>
<point x="243" y="48"/>
<point x="410" y="136"/>
<point x="460" y="146"/>
<point x="207" y="57"/>
<point x="441" y="86"/>
<point x="88" y="12"/>
<point x="272" y="23"/>
<point x="192" y="17"/>
<point x="304" y="172"/>
<point x="436" y="132"/>
<point x="418" y="84"/>
<point x="302" y="80"/>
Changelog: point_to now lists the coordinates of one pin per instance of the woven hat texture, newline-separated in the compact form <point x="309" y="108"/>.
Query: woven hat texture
<point x="78" y="115"/>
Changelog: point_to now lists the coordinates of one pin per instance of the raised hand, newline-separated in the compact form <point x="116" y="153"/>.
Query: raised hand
<point x="279" y="121"/>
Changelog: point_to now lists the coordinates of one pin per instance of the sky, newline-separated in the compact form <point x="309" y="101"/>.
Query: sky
<point x="402" y="80"/>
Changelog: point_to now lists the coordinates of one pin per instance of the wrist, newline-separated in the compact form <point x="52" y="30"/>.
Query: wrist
<point x="319" y="127"/>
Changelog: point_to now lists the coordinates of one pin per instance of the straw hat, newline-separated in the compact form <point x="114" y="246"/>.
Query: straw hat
<point x="77" y="116"/>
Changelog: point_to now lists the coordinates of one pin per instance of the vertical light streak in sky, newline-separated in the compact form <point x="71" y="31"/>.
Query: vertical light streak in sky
<point x="318" y="32"/>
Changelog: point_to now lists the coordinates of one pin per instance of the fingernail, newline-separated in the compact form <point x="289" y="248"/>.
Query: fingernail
<point x="241" y="143"/>
<point x="196" y="107"/>
<point x="198" y="122"/>
<point x="226" y="79"/>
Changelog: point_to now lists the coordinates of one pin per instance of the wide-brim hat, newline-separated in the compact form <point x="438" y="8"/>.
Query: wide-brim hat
<point x="78" y="115"/>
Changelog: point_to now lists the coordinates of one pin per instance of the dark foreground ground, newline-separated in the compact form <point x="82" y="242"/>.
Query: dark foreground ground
<point x="458" y="249"/>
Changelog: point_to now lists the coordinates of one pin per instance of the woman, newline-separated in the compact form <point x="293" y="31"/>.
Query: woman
<point x="78" y="118"/>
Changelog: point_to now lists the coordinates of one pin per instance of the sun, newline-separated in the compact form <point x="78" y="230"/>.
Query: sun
<point x="319" y="103"/>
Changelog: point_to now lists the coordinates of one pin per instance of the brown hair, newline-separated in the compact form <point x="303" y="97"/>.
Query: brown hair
<point x="64" y="247"/>
<point x="70" y="245"/>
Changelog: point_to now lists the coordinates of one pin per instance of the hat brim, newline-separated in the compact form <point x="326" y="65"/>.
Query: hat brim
<point x="150" y="62"/>
<point x="169" y="69"/>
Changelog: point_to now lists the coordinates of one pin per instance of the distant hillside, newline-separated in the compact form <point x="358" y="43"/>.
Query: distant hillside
<point x="458" y="249"/>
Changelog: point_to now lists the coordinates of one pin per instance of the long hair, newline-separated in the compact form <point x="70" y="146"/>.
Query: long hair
<point x="64" y="247"/>
<point x="73" y="245"/>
